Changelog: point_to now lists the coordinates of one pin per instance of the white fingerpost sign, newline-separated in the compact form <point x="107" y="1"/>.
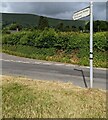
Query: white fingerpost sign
<point x="88" y="11"/>
<point x="82" y="13"/>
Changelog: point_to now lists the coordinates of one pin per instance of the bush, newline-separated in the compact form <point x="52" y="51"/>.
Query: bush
<point x="28" y="39"/>
<point x="101" y="41"/>
<point x="62" y="41"/>
<point x="46" y="39"/>
<point x="49" y="38"/>
<point x="12" y="39"/>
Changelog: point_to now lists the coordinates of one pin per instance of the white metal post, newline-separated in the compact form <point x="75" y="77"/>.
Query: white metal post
<point x="91" y="44"/>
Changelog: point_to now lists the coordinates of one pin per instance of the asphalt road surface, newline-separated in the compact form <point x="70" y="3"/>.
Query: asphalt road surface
<point x="44" y="70"/>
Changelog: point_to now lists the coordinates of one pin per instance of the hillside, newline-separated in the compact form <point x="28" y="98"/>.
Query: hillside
<point x="32" y="20"/>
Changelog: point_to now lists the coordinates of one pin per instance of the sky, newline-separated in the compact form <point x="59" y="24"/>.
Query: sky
<point x="60" y="10"/>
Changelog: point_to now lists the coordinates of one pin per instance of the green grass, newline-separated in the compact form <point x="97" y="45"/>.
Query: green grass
<point x="26" y="98"/>
<point x="28" y="51"/>
<point x="80" y="57"/>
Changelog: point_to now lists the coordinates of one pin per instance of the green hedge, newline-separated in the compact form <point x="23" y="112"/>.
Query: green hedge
<point x="49" y="38"/>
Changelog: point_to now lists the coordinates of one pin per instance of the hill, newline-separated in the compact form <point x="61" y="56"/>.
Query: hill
<point x="32" y="20"/>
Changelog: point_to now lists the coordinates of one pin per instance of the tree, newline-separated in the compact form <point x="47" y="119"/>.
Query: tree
<point x="81" y="28"/>
<point x="74" y="28"/>
<point x="97" y="26"/>
<point x="87" y="26"/>
<point x="43" y="22"/>
<point x="67" y="28"/>
<point x="103" y="26"/>
<point x="15" y="26"/>
<point x="60" y="26"/>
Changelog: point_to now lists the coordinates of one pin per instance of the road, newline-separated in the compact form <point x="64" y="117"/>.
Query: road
<point x="44" y="70"/>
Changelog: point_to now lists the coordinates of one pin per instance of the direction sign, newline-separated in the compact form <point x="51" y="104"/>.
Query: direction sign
<point x="82" y="13"/>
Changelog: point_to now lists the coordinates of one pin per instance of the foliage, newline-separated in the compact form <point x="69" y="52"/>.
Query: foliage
<point x="46" y="39"/>
<point x="74" y="28"/>
<point x="67" y="28"/>
<point x="43" y="22"/>
<point x="28" y="38"/>
<point x="6" y="31"/>
<point x="101" y="41"/>
<point x="15" y="26"/>
<point x="30" y="20"/>
<point x="98" y="26"/>
<point x="60" y="26"/>
<point x="12" y="39"/>
<point x="80" y="56"/>
<point x="49" y="38"/>
<point x="80" y="28"/>
<point x="29" y="51"/>
<point x="48" y="44"/>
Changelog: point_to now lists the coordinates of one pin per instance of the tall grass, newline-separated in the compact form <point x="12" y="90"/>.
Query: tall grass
<point x="26" y="98"/>
<point x="50" y="54"/>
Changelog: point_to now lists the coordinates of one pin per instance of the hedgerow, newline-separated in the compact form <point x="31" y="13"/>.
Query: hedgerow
<point x="49" y="38"/>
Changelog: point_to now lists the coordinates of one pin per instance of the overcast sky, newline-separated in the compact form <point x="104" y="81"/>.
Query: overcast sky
<point x="61" y="10"/>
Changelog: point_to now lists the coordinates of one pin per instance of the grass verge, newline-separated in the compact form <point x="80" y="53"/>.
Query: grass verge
<point x="26" y="98"/>
<point x="80" y="57"/>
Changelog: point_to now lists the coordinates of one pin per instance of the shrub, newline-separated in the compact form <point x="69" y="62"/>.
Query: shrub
<point x="101" y="41"/>
<point x="28" y="39"/>
<point x="49" y="38"/>
<point x="12" y="39"/>
<point x="62" y="41"/>
<point x="46" y="39"/>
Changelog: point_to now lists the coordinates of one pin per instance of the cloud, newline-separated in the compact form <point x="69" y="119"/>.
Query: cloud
<point x="61" y="10"/>
<point x="53" y="0"/>
<point x="100" y="10"/>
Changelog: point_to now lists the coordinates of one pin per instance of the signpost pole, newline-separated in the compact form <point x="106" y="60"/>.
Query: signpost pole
<point x="91" y="44"/>
<point x="84" y="13"/>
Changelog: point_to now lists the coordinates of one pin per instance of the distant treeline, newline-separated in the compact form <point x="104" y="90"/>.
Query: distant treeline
<point x="44" y="22"/>
<point x="33" y="21"/>
<point x="99" y="26"/>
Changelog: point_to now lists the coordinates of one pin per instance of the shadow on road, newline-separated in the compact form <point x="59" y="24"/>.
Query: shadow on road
<point x="82" y="72"/>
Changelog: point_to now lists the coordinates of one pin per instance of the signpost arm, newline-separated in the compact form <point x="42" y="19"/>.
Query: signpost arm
<point x="91" y="44"/>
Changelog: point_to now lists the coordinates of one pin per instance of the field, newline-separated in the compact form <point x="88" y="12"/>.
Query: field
<point x="26" y="98"/>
